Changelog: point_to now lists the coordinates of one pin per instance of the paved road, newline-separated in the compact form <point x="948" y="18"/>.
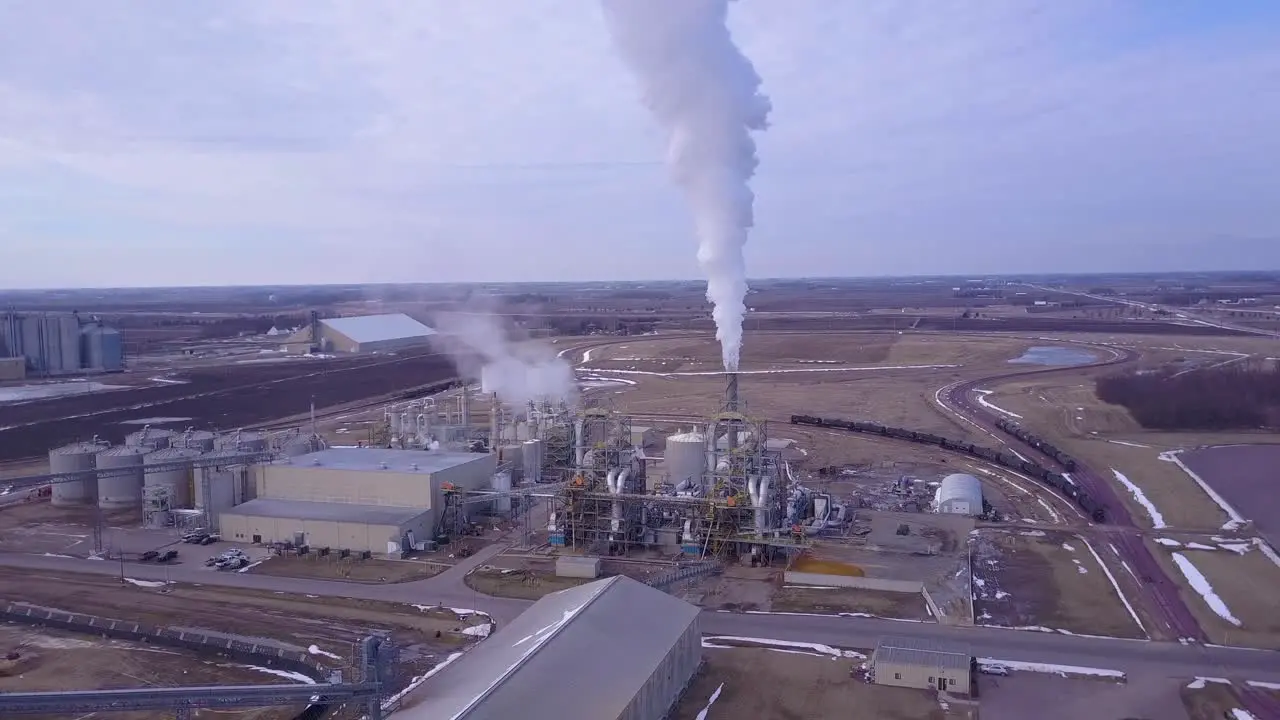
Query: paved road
<point x="1133" y="657"/>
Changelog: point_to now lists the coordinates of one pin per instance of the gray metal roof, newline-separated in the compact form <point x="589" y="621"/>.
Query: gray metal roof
<point x="373" y="328"/>
<point x="402" y="461"/>
<point x="329" y="512"/>
<point x="577" y="654"/>
<point x="923" y="652"/>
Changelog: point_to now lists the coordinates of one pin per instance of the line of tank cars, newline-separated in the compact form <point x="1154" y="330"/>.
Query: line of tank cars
<point x="1057" y="480"/>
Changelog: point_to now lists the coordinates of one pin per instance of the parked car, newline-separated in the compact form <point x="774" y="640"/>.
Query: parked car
<point x="994" y="669"/>
<point x="210" y="539"/>
<point x="149" y="555"/>
<point x="168" y="556"/>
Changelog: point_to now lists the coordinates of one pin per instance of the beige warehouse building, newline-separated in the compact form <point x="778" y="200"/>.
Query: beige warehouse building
<point x="361" y="334"/>
<point x="353" y="498"/>
<point x="923" y="664"/>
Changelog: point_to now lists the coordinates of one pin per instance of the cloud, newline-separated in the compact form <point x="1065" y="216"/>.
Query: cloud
<point x="500" y="140"/>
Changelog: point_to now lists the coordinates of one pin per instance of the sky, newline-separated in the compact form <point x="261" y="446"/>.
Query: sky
<point x="210" y="142"/>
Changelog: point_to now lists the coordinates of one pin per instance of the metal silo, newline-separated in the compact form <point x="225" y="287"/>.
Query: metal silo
<point x="76" y="457"/>
<point x="245" y="441"/>
<point x="686" y="460"/>
<point x="201" y="440"/>
<point x="149" y="438"/>
<point x="122" y="488"/>
<point x="219" y="487"/>
<point x="178" y="479"/>
<point x="532" y="457"/>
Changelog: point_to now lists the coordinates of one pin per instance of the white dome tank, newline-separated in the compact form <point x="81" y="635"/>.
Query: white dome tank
<point x="685" y="458"/>
<point x="76" y="457"/>
<point x="960" y="494"/>
<point x="121" y="489"/>
<point x="178" y="479"/>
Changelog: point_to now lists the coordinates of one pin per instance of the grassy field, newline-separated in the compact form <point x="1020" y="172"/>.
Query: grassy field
<point x="1245" y="583"/>
<point x="350" y="569"/>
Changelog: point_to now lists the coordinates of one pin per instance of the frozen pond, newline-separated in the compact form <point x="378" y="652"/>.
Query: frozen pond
<point x="1055" y="356"/>
<point x="23" y="393"/>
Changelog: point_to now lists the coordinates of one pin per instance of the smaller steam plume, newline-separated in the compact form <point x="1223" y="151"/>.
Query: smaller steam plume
<point x="518" y="372"/>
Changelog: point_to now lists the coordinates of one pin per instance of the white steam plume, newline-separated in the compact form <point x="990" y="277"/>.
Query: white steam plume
<point x="517" y="372"/>
<point x="706" y="95"/>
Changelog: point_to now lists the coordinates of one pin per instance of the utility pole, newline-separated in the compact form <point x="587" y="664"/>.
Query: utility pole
<point x="120" y="552"/>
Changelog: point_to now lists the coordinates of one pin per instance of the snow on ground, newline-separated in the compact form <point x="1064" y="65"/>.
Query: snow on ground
<point x="709" y="641"/>
<point x="586" y="356"/>
<point x="418" y="680"/>
<point x="1053" y="515"/>
<point x="768" y="372"/>
<point x="1032" y="533"/>
<point x="1263" y="685"/>
<point x="825" y="615"/>
<point x="702" y="714"/>
<point x="1062" y="670"/>
<point x="146" y="583"/>
<point x="1235" y="520"/>
<point x="1157" y="520"/>
<point x="23" y="393"/>
<point x="1199" y="682"/>
<point x="1120" y="593"/>
<point x="1168" y="542"/>
<point x="1067" y="547"/>
<point x="1081" y="569"/>
<point x="1198" y="546"/>
<point x="315" y="650"/>
<point x="982" y="400"/>
<point x="1128" y="444"/>
<point x="1202" y="586"/>
<point x="481" y="631"/>
<point x="252" y="565"/>
<point x="295" y="676"/>
<point x="155" y="421"/>
<point x="1238" y="714"/>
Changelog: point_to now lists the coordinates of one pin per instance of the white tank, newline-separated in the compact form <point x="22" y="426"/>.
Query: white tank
<point x="121" y="489"/>
<point x="150" y="438"/>
<point x="686" y="458"/>
<point x="76" y="457"/>
<point x="502" y="483"/>
<point x="201" y="440"/>
<point x="531" y="456"/>
<point x="177" y="479"/>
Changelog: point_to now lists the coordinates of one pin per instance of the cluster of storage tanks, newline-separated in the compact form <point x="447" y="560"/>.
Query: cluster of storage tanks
<point x="153" y="458"/>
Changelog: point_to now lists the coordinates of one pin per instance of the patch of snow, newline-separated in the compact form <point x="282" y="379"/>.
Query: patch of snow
<point x="1198" y="546"/>
<point x="1053" y="515"/>
<point x="70" y="557"/>
<point x="1202" y="586"/>
<point x="1238" y="714"/>
<point x="1062" y="670"/>
<point x="1235" y="518"/>
<point x="709" y="641"/>
<point x="586" y="356"/>
<point x="418" y="680"/>
<point x="982" y="400"/>
<point x="813" y="587"/>
<point x="481" y="631"/>
<point x="1237" y="548"/>
<point x="252" y="565"/>
<point x="1107" y="571"/>
<point x="1199" y="682"/>
<point x="296" y="676"/>
<point x="1263" y="685"/>
<point x="1157" y="520"/>
<point x="1267" y="550"/>
<point x="702" y="714"/>
<point x="315" y="650"/>
<point x="1168" y="542"/>
<point x="1032" y="533"/>
<point x="1000" y="594"/>
<point x="1128" y="444"/>
<point x="146" y="583"/>
<point x="1068" y="547"/>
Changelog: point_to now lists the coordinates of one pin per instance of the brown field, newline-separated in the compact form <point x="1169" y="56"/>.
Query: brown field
<point x="903" y="606"/>
<point x="1213" y="701"/>
<point x="1031" y="578"/>
<point x="762" y="683"/>
<point x="1245" y="583"/>
<point x="52" y="660"/>
<point x="351" y="569"/>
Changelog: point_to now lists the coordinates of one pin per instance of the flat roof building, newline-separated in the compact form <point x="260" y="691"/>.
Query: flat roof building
<point x="353" y="498"/>
<point x="629" y="651"/>
<point x="923" y="664"/>
<point x="363" y="333"/>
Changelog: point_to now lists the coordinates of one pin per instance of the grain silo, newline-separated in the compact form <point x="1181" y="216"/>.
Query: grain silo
<point x="201" y="440"/>
<point x="243" y="441"/>
<point x="220" y="487"/>
<point x="74" y="458"/>
<point x="686" y="460"/>
<point x="178" y="478"/>
<point x="532" y="458"/>
<point x="502" y="484"/>
<point x="122" y="486"/>
<point x="150" y="438"/>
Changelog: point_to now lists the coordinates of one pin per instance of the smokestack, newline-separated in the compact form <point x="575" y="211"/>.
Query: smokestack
<point x="706" y="95"/>
<point x="465" y="410"/>
<point x="731" y="392"/>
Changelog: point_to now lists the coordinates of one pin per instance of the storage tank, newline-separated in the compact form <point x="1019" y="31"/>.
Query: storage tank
<point x="150" y="438"/>
<point x="178" y="479"/>
<point x="244" y="441"/>
<point x="686" y="459"/>
<point x="218" y="487"/>
<point x="76" y="457"/>
<point x="502" y="483"/>
<point x="531" y="455"/>
<point x="201" y="440"/>
<point x="121" y="489"/>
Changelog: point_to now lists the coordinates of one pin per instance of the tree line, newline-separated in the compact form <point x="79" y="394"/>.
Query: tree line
<point x="1230" y="397"/>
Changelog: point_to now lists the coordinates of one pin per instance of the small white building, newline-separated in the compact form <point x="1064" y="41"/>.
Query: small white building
<point x="959" y="494"/>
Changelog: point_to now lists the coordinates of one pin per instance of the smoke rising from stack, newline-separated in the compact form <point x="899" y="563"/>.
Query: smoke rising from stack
<point x="706" y="95"/>
<point x="481" y="347"/>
